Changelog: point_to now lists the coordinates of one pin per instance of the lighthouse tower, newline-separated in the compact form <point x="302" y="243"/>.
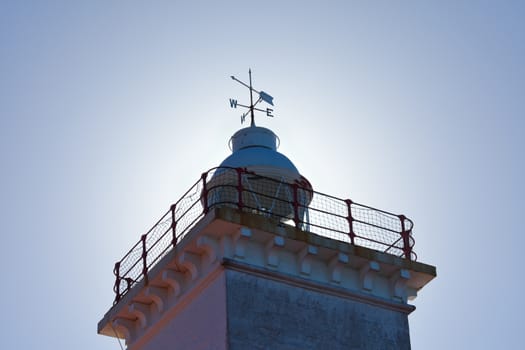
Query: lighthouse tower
<point x="252" y="257"/>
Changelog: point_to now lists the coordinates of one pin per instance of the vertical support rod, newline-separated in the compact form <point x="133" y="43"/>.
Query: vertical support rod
<point x="251" y="99"/>
<point x="204" y="194"/>
<point x="173" y="208"/>
<point x="350" y="219"/>
<point x="116" y="287"/>
<point x="295" y="205"/>
<point x="405" y="235"/>
<point x="144" y="260"/>
<point x="240" y="204"/>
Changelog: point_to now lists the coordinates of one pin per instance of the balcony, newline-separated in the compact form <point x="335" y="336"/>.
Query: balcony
<point x="294" y="205"/>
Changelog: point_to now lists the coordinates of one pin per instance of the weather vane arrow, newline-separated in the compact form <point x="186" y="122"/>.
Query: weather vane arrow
<point x="263" y="96"/>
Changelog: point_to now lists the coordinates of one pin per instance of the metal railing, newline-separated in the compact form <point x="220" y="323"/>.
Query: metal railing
<point x="293" y="203"/>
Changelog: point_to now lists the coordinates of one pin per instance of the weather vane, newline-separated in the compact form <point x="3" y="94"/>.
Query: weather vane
<point x="263" y="96"/>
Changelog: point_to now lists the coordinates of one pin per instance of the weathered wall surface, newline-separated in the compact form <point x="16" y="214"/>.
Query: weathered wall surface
<point x="267" y="314"/>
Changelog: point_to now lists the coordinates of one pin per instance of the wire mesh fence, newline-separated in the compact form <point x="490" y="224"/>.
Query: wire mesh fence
<point x="291" y="201"/>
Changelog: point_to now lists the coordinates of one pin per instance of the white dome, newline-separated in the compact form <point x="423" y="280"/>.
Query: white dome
<point x="255" y="148"/>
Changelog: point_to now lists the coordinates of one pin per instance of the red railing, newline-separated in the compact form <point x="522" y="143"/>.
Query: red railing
<point x="293" y="203"/>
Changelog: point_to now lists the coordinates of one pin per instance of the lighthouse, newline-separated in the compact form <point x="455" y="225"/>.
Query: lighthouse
<point x="253" y="256"/>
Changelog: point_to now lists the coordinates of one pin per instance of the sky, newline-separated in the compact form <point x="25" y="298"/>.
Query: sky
<point x="110" y="110"/>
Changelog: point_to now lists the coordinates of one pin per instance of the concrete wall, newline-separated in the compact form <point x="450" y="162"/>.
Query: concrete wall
<point x="267" y="314"/>
<point x="200" y="325"/>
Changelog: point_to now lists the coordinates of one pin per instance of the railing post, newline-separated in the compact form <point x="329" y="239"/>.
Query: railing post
<point x="240" y="204"/>
<point x="173" y="208"/>
<point x="116" y="287"/>
<point x="144" y="260"/>
<point x="405" y="235"/>
<point x="295" y="205"/>
<point x="204" y="194"/>
<point x="350" y="219"/>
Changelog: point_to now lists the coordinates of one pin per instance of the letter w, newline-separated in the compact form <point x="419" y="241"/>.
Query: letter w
<point x="233" y="103"/>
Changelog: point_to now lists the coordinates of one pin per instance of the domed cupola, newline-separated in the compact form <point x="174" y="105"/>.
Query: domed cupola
<point x="270" y="181"/>
<point x="255" y="148"/>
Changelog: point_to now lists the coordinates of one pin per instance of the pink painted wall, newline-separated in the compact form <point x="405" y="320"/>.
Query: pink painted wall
<point x="200" y="325"/>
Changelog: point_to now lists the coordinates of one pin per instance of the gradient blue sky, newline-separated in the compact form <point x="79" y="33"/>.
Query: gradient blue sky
<point x="109" y="110"/>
